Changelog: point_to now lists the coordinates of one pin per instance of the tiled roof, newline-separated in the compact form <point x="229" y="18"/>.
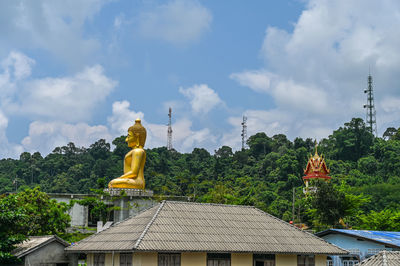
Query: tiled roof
<point x="385" y="237"/>
<point x="35" y="242"/>
<point x="187" y="226"/>
<point x="383" y="258"/>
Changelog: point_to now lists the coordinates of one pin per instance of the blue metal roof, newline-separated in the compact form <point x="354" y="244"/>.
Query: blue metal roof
<point x="386" y="237"/>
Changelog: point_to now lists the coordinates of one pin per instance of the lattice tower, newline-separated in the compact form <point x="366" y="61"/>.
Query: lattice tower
<point x="244" y="132"/>
<point x="169" y="136"/>
<point x="370" y="106"/>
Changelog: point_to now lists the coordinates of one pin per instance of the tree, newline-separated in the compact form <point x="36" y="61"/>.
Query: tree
<point x="385" y="220"/>
<point x="351" y="142"/>
<point x="260" y="144"/>
<point x="13" y="225"/>
<point x="29" y="213"/>
<point x="331" y="205"/>
<point x="389" y="133"/>
<point x="100" y="149"/>
<point x="46" y="216"/>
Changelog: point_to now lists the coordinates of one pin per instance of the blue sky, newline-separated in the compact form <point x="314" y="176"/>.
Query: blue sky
<point x="84" y="70"/>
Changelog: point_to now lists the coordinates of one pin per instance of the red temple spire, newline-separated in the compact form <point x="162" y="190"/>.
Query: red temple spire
<point x="316" y="168"/>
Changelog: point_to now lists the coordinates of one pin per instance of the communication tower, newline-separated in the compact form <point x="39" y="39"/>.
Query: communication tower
<point x="244" y="132"/>
<point x="169" y="138"/>
<point x="370" y="106"/>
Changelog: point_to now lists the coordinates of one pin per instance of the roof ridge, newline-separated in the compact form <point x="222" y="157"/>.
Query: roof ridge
<point x="206" y="203"/>
<point x="384" y="259"/>
<point x="148" y="225"/>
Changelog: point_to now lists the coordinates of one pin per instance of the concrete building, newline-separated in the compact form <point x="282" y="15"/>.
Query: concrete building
<point x="186" y="233"/>
<point x="133" y="202"/>
<point x="42" y="250"/>
<point x="361" y="244"/>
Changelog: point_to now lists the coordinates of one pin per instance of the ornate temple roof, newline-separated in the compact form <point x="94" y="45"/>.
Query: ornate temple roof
<point x="316" y="167"/>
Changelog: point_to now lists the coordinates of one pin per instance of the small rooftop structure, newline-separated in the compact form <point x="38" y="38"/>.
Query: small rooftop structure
<point x="195" y="227"/>
<point x="383" y="258"/>
<point x="42" y="250"/>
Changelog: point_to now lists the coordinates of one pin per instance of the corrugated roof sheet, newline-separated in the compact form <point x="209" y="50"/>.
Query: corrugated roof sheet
<point x="383" y="258"/>
<point x="385" y="237"/>
<point x="120" y="236"/>
<point x="187" y="226"/>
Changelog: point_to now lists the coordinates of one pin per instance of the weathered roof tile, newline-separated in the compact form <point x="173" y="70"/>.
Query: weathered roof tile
<point x="188" y="226"/>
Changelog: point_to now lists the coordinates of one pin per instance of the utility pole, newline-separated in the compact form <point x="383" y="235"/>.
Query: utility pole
<point x="293" y="206"/>
<point x="15" y="182"/>
<point x="370" y="106"/>
<point x="169" y="134"/>
<point x="244" y="132"/>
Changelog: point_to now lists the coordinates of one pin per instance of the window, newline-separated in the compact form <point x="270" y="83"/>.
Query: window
<point x="125" y="259"/>
<point x="373" y="251"/>
<point x="350" y="262"/>
<point x="329" y="261"/>
<point x="305" y="260"/>
<point x="264" y="259"/>
<point x="218" y="259"/>
<point x="98" y="259"/>
<point x="169" y="259"/>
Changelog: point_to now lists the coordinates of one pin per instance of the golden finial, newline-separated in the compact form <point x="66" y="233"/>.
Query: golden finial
<point x="316" y="147"/>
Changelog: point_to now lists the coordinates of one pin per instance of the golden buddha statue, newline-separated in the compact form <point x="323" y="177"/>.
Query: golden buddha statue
<point x="134" y="161"/>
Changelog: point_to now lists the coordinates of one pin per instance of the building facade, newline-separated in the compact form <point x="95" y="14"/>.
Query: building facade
<point x="361" y="244"/>
<point x="129" y="204"/>
<point x="42" y="250"/>
<point x="186" y="233"/>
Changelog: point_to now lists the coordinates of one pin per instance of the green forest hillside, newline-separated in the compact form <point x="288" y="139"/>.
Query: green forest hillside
<point x="364" y="191"/>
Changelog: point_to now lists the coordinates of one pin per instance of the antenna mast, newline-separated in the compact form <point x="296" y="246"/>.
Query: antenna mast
<point x="244" y="132"/>
<point x="169" y="138"/>
<point x="370" y="106"/>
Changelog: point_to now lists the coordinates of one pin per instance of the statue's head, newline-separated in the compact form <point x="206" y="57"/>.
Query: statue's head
<point x="136" y="134"/>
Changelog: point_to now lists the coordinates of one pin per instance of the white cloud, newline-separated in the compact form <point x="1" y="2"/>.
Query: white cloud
<point x="70" y="98"/>
<point x="257" y="80"/>
<point x="178" y="21"/>
<point x="202" y="98"/>
<point x="45" y="136"/>
<point x="287" y="94"/>
<point x="20" y="63"/>
<point x="390" y="111"/>
<point x="55" y="26"/>
<point x="122" y="117"/>
<point x="272" y="122"/>
<point x="318" y="71"/>
<point x="184" y="137"/>
<point x="15" y="67"/>
<point x="118" y="21"/>
<point x="7" y="149"/>
<point x="52" y="102"/>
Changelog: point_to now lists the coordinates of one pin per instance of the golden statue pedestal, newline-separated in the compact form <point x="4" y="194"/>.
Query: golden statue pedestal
<point x="127" y="192"/>
<point x="129" y="202"/>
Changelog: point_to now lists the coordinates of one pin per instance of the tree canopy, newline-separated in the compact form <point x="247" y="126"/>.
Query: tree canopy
<point x="29" y="213"/>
